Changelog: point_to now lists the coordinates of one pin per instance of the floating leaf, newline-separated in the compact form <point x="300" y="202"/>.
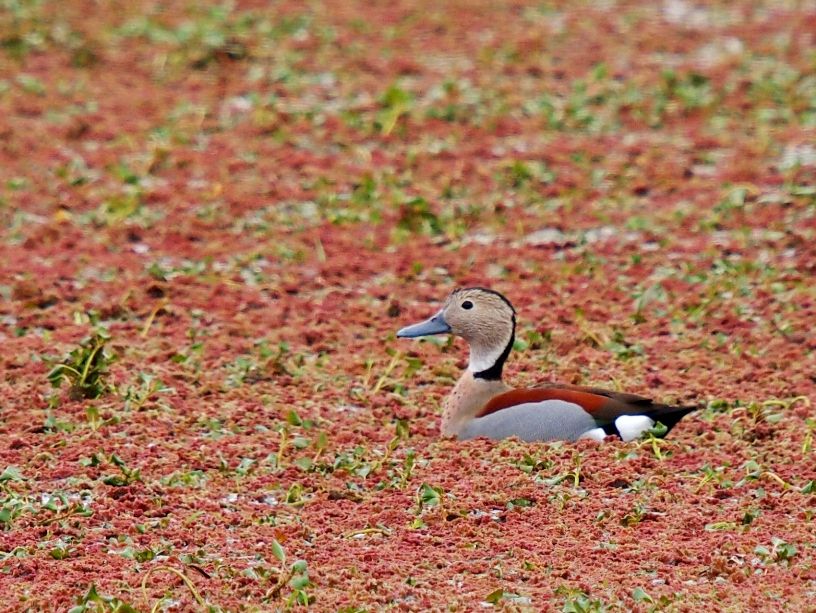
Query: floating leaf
<point x="11" y="473"/>
<point x="278" y="552"/>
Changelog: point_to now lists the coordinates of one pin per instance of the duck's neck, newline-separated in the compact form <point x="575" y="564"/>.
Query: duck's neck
<point x="487" y="358"/>
<point x="466" y="399"/>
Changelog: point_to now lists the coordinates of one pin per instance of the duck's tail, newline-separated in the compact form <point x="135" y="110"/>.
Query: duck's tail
<point x="669" y="416"/>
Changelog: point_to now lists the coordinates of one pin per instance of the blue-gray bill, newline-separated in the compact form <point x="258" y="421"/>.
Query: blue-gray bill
<point x="434" y="325"/>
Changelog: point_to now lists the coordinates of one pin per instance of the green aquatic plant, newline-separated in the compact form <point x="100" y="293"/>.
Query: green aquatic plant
<point x="85" y="368"/>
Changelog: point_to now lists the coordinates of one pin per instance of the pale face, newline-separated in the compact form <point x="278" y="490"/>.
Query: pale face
<point x="478" y="316"/>
<point x="483" y="318"/>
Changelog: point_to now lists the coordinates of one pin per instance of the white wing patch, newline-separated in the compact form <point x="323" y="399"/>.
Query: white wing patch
<point x="631" y="427"/>
<point x="596" y="434"/>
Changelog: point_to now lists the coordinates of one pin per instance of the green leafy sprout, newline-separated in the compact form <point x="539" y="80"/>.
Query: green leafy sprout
<point x="85" y="368"/>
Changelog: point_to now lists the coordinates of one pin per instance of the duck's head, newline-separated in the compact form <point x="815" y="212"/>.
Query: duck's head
<point x="484" y="318"/>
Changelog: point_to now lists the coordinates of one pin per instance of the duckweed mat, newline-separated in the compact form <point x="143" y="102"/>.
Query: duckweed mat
<point x="214" y="218"/>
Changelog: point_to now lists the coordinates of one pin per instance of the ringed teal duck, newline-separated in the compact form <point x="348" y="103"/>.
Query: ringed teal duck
<point x="482" y="405"/>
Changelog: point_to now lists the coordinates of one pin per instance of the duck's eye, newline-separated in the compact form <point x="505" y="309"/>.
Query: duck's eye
<point x="467" y="305"/>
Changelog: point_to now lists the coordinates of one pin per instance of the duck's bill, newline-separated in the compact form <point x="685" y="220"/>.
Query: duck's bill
<point x="434" y="325"/>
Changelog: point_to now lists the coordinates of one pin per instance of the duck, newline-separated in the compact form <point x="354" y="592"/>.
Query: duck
<point x="482" y="405"/>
